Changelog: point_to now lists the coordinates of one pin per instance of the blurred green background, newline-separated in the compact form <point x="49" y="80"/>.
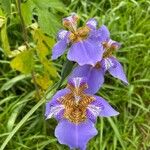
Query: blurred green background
<point x="22" y="121"/>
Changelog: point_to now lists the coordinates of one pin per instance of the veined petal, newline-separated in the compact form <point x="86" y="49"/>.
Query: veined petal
<point x="62" y="34"/>
<point x="60" y="47"/>
<point x="117" y="71"/>
<point x="93" y="112"/>
<point x="85" y="52"/>
<point x="54" y="107"/>
<point x="75" y="135"/>
<point x="107" y="63"/>
<point x="94" y="76"/>
<point x="92" y="23"/>
<point x="113" y="44"/>
<point x="55" y="110"/>
<point x="105" y="109"/>
<point x="103" y="34"/>
<point x="77" y="81"/>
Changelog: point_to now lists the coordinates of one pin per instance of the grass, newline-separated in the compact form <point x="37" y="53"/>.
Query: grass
<point x="22" y="122"/>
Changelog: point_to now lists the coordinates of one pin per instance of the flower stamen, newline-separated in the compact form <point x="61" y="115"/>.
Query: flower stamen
<point x="76" y="103"/>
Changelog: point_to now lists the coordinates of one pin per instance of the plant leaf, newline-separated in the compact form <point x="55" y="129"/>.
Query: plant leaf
<point x="4" y="38"/>
<point x="6" y="6"/>
<point x="23" y="62"/>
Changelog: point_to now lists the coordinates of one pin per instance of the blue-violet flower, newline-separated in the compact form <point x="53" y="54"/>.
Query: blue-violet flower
<point x="95" y="74"/>
<point x="76" y="112"/>
<point x="83" y="48"/>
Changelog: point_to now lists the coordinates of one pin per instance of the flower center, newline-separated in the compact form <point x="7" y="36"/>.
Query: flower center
<point x="80" y="34"/>
<point x="76" y="103"/>
<point x="109" y="49"/>
<point x="98" y="65"/>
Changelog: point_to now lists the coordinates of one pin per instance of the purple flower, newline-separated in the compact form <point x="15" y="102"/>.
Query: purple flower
<point x="76" y="112"/>
<point x="95" y="74"/>
<point x="83" y="48"/>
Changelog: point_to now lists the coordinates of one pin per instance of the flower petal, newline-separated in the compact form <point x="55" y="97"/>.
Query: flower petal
<point x="92" y="23"/>
<point x="113" y="44"/>
<point x="60" y="47"/>
<point x="106" y="109"/>
<point x="53" y="107"/>
<point x="117" y="71"/>
<point x="103" y="34"/>
<point x="77" y="81"/>
<point x="92" y="112"/>
<point x="75" y="135"/>
<point x="62" y="34"/>
<point x="94" y="76"/>
<point x="107" y="63"/>
<point x="85" y="52"/>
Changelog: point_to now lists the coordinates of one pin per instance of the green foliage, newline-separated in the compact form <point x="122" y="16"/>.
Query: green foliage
<point x="48" y="21"/>
<point x="6" y="6"/>
<point x="4" y="37"/>
<point x="23" y="62"/>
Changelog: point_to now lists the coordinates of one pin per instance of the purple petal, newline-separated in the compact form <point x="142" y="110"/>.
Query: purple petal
<point x="77" y="81"/>
<point x="113" y="44"/>
<point x="60" y="47"/>
<point x="106" y="109"/>
<point x="117" y="71"/>
<point x="93" y="112"/>
<point x="85" y="52"/>
<point x="62" y="34"/>
<point x="75" y="135"/>
<point x="103" y="34"/>
<point x="92" y="23"/>
<point x="94" y="76"/>
<point x="53" y="107"/>
<point x="107" y="63"/>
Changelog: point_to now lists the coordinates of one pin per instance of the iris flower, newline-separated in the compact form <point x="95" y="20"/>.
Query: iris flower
<point x="95" y="74"/>
<point x="83" y="48"/>
<point x="76" y="112"/>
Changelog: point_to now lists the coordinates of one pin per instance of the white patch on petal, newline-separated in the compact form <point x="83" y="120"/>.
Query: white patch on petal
<point x="92" y="22"/>
<point x="54" y="110"/>
<point x="95" y="110"/>
<point x="77" y="99"/>
<point x="108" y="63"/>
<point x="110" y="42"/>
<point x="77" y="82"/>
<point x="62" y="34"/>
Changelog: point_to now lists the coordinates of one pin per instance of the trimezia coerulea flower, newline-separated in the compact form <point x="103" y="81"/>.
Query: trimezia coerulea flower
<point x="95" y="74"/>
<point x="82" y="47"/>
<point x="76" y="112"/>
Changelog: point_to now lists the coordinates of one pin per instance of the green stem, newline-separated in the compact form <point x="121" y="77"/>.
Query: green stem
<point x="25" y="37"/>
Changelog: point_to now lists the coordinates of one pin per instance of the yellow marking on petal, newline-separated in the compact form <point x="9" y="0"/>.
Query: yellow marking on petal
<point x="76" y="111"/>
<point x="80" y="34"/>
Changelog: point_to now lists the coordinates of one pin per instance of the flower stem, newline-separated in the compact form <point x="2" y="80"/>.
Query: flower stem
<point x="25" y="37"/>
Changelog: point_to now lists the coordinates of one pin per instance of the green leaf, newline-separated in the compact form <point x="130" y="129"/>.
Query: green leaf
<point x="43" y="43"/>
<point x="12" y="81"/>
<point x="27" y="9"/>
<point x="53" y="4"/>
<point x="4" y="38"/>
<point x="48" y="65"/>
<point x="66" y="70"/>
<point x="23" y="62"/>
<point x="43" y="81"/>
<point x="18" y="126"/>
<point x="115" y="128"/>
<point x="48" y="22"/>
<point x="6" y="6"/>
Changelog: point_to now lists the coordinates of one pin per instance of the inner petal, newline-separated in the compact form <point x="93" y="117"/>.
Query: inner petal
<point x="76" y="102"/>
